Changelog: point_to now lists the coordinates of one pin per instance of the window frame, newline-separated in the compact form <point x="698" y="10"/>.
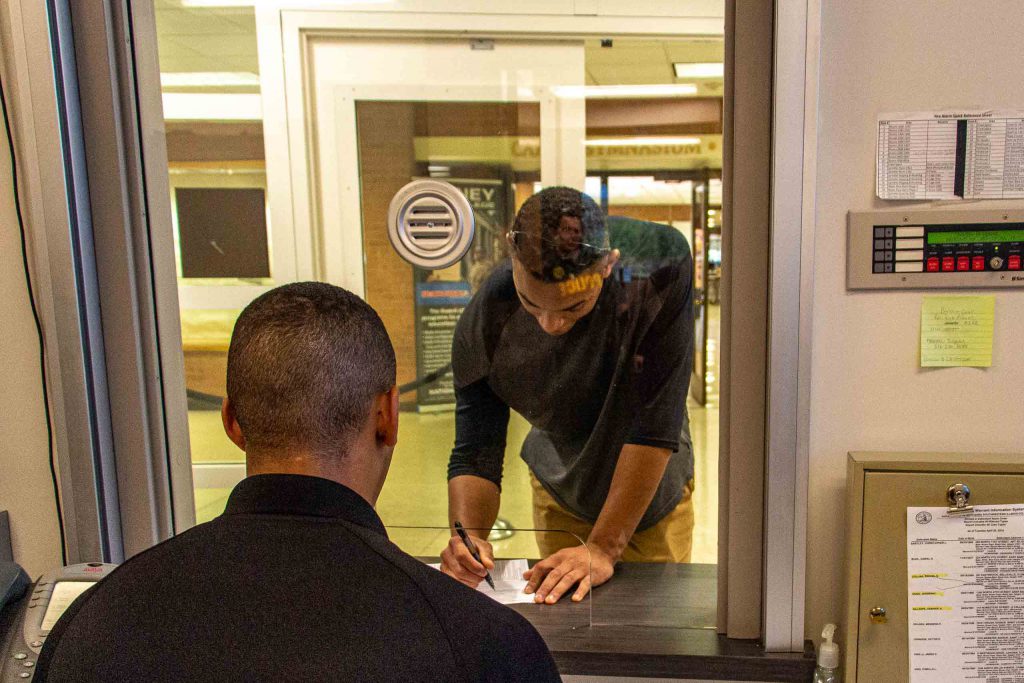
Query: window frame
<point x="115" y="47"/>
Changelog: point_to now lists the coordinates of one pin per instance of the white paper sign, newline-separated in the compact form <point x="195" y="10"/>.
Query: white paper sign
<point x="965" y="594"/>
<point x="950" y="155"/>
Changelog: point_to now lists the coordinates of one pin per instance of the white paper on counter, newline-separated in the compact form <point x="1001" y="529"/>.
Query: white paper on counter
<point x="508" y="582"/>
<point x="965" y="594"/>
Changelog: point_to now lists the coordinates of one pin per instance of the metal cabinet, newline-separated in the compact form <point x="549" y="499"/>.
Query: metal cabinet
<point x="880" y="487"/>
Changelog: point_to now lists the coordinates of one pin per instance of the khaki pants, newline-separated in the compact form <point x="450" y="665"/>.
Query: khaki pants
<point x="670" y="540"/>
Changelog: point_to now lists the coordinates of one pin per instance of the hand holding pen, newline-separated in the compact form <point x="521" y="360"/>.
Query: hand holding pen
<point x="471" y="547"/>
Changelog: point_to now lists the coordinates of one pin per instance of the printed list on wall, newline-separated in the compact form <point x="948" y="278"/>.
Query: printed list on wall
<point x="965" y="594"/>
<point x="950" y="155"/>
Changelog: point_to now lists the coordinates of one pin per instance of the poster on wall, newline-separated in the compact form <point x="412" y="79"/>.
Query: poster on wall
<point x="439" y="303"/>
<point x="489" y="199"/>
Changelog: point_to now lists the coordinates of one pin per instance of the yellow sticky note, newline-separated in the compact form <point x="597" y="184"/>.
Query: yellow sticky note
<point x="956" y="331"/>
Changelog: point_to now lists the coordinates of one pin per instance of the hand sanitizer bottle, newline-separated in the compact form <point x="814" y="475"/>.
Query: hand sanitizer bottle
<point x="827" y="670"/>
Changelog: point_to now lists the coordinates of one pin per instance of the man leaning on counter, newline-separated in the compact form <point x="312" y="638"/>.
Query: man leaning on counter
<point x="599" y="364"/>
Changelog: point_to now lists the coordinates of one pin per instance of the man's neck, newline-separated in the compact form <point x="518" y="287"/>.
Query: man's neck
<point x="337" y="468"/>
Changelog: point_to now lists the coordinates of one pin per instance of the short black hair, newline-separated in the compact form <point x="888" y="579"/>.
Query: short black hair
<point x="305" y="361"/>
<point x="555" y="250"/>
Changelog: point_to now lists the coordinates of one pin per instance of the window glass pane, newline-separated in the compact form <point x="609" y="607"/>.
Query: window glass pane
<point x="499" y="125"/>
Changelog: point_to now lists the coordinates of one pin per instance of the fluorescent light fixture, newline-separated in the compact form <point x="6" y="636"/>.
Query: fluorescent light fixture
<point x="212" y="107"/>
<point x="624" y="91"/>
<point x="699" y="69"/>
<point x="207" y="79"/>
<point x="298" y="4"/>
<point x="633" y="142"/>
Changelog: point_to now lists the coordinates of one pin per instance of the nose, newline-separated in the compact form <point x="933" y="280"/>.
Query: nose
<point x="553" y="324"/>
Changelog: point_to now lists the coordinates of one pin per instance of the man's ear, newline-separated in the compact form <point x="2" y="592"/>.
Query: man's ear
<point x="387" y="417"/>
<point x="231" y="426"/>
<point x="610" y="260"/>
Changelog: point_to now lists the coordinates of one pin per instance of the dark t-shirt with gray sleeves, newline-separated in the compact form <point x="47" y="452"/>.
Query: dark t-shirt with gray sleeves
<point x="619" y="376"/>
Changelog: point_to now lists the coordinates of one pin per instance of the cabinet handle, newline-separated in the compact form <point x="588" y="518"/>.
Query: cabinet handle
<point x="959" y="496"/>
<point x="878" y="616"/>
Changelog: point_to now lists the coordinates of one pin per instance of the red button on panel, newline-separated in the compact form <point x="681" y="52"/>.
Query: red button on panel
<point x="978" y="263"/>
<point x="963" y="263"/>
<point x="947" y="263"/>
<point x="1013" y="263"/>
<point x="932" y="265"/>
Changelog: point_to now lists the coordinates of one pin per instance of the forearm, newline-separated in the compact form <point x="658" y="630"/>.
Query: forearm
<point x="473" y="501"/>
<point x="634" y="483"/>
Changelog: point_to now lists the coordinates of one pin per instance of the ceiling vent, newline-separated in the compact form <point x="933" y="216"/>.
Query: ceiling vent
<point x="430" y="224"/>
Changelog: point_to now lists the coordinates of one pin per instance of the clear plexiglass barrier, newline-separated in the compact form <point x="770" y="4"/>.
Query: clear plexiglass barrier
<point x="427" y="543"/>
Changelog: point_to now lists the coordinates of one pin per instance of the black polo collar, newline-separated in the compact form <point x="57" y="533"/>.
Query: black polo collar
<point x="301" y="495"/>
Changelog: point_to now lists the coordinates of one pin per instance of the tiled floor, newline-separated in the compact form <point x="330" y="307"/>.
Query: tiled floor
<point x="415" y="493"/>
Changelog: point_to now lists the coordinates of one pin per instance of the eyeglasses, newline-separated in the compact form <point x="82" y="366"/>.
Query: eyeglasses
<point x="565" y="245"/>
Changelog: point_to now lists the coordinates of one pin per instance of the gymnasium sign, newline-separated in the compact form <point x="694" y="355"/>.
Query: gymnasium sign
<point x="523" y="153"/>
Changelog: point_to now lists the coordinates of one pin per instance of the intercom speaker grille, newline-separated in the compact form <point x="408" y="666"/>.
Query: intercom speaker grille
<point x="430" y="224"/>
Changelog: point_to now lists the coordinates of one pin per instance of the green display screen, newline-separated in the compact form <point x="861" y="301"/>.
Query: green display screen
<point x="967" y="236"/>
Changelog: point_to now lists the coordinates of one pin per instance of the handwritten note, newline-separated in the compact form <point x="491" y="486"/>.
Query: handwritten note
<point x="956" y="331"/>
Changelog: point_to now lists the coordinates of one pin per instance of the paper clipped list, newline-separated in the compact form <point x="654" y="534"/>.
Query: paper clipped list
<point x="957" y="331"/>
<point x="965" y="594"/>
<point x="950" y="155"/>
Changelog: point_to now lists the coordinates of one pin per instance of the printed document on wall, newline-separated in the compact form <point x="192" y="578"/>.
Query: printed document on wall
<point x="965" y="593"/>
<point x="950" y="155"/>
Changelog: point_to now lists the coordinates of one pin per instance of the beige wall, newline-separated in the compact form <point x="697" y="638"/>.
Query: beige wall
<point x="25" y="488"/>
<point x="867" y="390"/>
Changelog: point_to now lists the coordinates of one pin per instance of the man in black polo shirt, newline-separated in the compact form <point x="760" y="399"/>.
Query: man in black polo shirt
<point x="297" y="579"/>
<point x="600" y="367"/>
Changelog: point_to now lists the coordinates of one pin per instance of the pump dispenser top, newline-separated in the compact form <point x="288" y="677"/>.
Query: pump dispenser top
<point x="828" y="653"/>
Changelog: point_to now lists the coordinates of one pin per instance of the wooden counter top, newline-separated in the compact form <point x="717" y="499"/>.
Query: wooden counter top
<point x="656" y="620"/>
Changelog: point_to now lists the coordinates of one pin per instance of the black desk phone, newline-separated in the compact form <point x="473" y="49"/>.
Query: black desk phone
<point x="29" y="610"/>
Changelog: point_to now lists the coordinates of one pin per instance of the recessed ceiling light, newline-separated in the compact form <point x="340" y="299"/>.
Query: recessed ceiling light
<point x="630" y="142"/>
<point x="623" y="91"/>
<point x="187" y="79"/>
<point x="699" y="69"/>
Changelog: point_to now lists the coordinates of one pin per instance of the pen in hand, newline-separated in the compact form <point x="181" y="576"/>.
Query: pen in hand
<point x="472" y="550"/>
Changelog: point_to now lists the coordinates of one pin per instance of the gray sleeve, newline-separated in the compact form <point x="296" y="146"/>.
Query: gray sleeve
<point x="663" y="366"/>
<point x="481" y="426"/>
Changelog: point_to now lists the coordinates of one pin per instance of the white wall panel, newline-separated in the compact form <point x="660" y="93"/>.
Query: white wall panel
<point x="868" y="392"/>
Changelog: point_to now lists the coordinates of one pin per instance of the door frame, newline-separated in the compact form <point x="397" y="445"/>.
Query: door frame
<point x="341" y="251"/>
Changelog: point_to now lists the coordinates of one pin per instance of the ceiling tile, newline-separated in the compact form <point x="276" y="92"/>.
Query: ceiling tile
<point x="190" y="22"/>
<point x="642" y="74"/>
<point x="695" y="51"/>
